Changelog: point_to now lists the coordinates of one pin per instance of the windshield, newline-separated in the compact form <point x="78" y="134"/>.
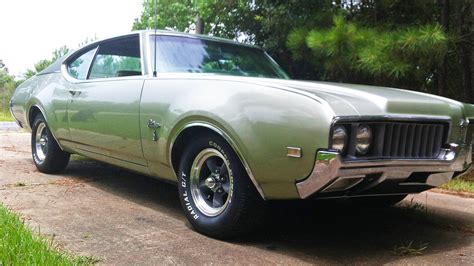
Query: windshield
<point x="192" y="55"/>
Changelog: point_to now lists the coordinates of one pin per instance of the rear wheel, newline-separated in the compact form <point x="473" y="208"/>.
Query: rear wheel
<point x="216" y="193"/>
<point x="47" y="155"/>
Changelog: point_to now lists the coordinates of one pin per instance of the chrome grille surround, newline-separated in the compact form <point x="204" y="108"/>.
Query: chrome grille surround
<point x="398" y="139"/>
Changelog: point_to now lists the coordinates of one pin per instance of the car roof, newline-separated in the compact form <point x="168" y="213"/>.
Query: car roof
<point x="55" y="67"/>
<point x="170" y="33"/>
<point x="192" y="35"/>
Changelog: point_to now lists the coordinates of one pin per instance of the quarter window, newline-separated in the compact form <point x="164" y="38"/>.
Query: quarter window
<point x="80" y="66"/>
<point x="117" y="58"/>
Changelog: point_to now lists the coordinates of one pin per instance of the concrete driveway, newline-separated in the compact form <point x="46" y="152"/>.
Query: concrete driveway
<point x="122" y="218"/>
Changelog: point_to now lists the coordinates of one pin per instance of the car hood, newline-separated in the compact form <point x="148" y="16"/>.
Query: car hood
<point x="363" y="100"/>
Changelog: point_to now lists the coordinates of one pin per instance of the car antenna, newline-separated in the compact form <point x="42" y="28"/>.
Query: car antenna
<point x="155" y="26"/>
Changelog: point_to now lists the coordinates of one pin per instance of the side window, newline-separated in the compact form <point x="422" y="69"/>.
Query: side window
<point x="117" y="58"/>
<point x="80" y="66"/>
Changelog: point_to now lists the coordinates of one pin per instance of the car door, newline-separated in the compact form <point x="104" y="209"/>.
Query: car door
<point x="103" y="111"/>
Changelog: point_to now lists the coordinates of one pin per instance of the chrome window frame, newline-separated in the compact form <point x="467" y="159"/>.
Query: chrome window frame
<point x="82" y="50"/>
<point x="75" y="56"/>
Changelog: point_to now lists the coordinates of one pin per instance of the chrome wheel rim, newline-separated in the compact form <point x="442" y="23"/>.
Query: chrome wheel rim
<point x="211" y="182"/>
<point x="41" y="142"/>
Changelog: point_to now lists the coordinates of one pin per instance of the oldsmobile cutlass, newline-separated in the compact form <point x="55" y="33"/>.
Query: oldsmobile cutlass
<point x="223" y="121"/>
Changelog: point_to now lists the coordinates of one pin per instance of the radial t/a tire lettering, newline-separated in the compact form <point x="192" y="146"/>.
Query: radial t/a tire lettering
<point x="216" y="193"/>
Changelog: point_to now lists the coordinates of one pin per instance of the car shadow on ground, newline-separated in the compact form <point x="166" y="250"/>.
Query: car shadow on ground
<point x="334" y="232"/>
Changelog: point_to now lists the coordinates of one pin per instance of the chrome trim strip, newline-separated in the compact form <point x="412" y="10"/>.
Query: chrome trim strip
<point x="10" y="107"/>
<point x="392" y="117"/>
<point x="228" y="139"/>
<point x="329" y="166"/>
<point x="142" y="59"/>
<point x="47" y="73"/>
<point x="91" y="63"/>
<point x="149" y="60"/>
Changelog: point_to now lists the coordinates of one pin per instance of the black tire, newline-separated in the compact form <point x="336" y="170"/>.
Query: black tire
<point x="379" y="201"/>
<point x="245" y="208"/>
<point x="47" y="155"/>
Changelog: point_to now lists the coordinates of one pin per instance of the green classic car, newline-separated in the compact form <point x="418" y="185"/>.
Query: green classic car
<point x="224" y="121"/>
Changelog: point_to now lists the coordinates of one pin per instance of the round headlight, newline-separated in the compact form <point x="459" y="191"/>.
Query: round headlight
<point x="339" y="138"/>
<point x="363" y="139"/>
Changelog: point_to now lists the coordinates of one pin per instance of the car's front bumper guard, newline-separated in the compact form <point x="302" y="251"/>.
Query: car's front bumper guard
<point x="331" y="173"/>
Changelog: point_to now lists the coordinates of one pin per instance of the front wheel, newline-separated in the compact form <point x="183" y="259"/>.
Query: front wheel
<point x="216" y="193"/>
<point x="47" y="155"/>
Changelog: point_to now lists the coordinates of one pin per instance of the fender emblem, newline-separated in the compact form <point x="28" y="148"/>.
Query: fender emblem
<point x="152" y="124"/>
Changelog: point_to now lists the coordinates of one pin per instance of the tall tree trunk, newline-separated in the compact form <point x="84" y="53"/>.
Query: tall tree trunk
<point x="466" y="16"/>
<point x="378" y="7"/>
<point x="443" y="68"/>
<point x="199" y="25"/>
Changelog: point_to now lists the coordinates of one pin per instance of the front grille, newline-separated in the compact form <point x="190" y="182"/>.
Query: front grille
<point x="407" y="140"/>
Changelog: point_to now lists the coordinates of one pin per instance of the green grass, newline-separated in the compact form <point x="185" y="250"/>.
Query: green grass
<point x="415" y="206"/>
<point x="6" y="116"/>
<point x="410" y="249"/>
<point x="464" y="183"/>
<point x="20" y="246"/>
<point x="459" y="185"/>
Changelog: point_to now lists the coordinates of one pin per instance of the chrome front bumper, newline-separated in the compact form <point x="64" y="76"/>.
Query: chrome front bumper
<point x="332" y="174"/>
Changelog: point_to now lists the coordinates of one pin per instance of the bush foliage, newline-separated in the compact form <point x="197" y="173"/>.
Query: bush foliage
<point x="351" y="53"/>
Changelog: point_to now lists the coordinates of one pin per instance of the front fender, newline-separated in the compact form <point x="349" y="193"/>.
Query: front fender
<point x="261" y="121"/>
<point x="50" y="95"/>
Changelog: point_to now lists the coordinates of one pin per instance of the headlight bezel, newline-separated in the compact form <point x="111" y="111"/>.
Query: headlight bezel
<point x="340" y="143"/>
<point x="351" y="148"/>
<point x="363" y="139"/>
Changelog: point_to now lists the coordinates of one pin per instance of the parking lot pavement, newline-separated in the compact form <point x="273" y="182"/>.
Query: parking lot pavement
<point x="123" y="218"/>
